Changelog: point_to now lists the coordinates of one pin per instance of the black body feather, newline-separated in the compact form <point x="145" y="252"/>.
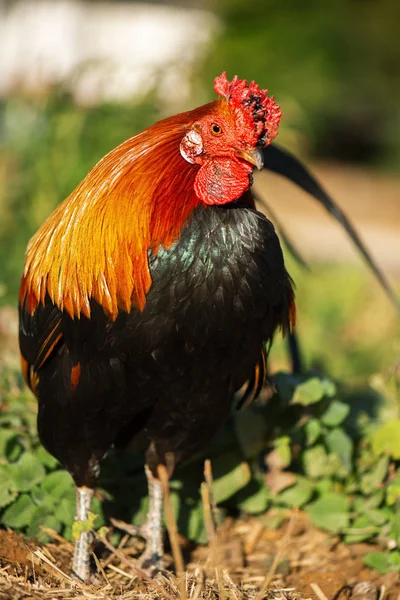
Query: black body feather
<point x="162" y="379"/>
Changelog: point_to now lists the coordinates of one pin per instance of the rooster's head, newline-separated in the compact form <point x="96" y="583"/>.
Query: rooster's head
<point x="226" y="141"/>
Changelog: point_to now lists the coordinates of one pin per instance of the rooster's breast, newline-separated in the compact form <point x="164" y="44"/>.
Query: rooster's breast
<point x="218" y="293"/>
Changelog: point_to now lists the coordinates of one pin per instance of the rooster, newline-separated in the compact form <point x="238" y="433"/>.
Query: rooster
<point x="150" y="294"/>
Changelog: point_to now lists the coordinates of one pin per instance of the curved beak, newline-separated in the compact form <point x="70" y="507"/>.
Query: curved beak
<point x="253" y="156"/>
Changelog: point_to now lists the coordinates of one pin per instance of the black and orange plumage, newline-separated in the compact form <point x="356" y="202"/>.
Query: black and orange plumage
<point x="150" y="293"/>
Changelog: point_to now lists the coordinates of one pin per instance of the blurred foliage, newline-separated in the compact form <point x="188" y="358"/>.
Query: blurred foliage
<point x="346" y="325"/>
<point x="334" y="68"/>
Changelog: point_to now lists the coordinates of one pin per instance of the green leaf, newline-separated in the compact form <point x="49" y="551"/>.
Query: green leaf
<point x="394" y="532"/>
<point x="298" y="494"/>
<point x="27" y="472"/>
<point x="102" y="532"/>
<point x="20" y="513"/>
<point x="139" y="515"/>
<point x="330" y="512"/>
<point x="368" y="506"/>
<point x="7" y="495"/>
<point x="6" y="437"/>
<point x="58" y="485"/>
<point x="309" y="392"/>
<point x="395" y="560"/>
<point x="378" y="516"/>
<point x="43" y="517"/>
<point x="373" y="478"/>
<point x="393" y="490"/>
<point x="11" y="419"/>
<point x="323" y="485"/>
<point x="177" y="504"/>
<point x="8" y="489"/>
<point x="329" y="388"/>
<point x="386" y="439"/>
<point x="97" y="508"/>
<point x="65" y="511"/>
<point x="361" y="529"/>
<point x="82" y="526"/>
<point x="376" y="499"/>
<point x="383" y="562"/>
<point x="317" y="463"/>
<point x="282" y="445"/>
<point x="335" y="413"/>
<point x="341" y="444"/>
<point x="312" y="430"/>
<point x="195" y="527"/>
<point x="231" y="474"/>
<point x="251" y="431"/>
<point x="14" y="449"/>
<point x="256" y="503"/>
<point x="46" y="458"/>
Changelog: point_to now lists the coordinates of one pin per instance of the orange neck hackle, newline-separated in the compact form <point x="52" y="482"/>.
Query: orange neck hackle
<point x="95" y="244"/>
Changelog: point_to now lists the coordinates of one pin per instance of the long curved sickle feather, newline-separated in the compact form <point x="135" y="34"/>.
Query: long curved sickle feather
<point x="283" y="163"/>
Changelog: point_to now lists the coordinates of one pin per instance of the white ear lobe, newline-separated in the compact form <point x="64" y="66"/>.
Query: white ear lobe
<point x="191" y="146"/>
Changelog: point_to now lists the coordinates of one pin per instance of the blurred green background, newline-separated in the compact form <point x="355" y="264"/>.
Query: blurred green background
<point x="334" y="68"/>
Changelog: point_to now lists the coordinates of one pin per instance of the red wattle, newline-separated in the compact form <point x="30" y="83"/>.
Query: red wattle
<point x="222" y="180"/>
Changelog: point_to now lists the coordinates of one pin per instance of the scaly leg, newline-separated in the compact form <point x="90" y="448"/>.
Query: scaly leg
<point x="152" y="557"/>
<point x="81" y="560"/>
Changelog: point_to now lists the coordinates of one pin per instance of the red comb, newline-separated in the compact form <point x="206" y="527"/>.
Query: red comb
<point x="256" y="116"/>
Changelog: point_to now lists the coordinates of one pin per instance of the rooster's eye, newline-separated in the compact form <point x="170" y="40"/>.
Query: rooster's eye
<point x="216" y="129"/>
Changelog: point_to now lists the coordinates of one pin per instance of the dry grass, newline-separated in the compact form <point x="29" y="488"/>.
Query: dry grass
<point x="248" y="562"/>
<point x="43" y="573"/>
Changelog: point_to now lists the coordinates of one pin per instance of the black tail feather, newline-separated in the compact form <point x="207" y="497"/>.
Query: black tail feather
<point x="282" y="162"/>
